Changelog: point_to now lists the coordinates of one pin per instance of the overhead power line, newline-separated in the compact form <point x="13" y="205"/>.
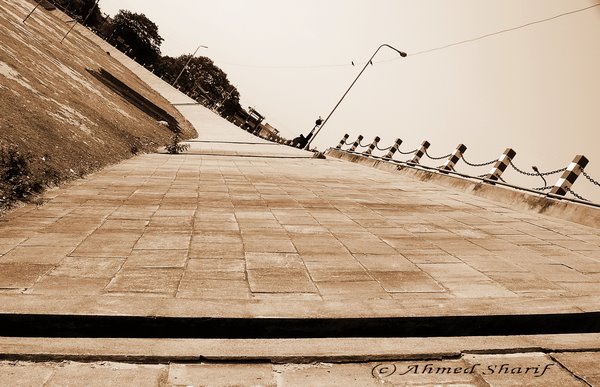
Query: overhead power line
<point x="446" y="46"/>
<point x="502" y="31"/>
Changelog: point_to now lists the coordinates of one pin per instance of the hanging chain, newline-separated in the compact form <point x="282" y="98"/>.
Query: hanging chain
<point x="407" y="153"/>
<point x="437" y="158"/>
<point x="595" y="182"/>
<point x="383" y="149"/>
<point x="538" y="173"/>
<point x="477" y="164"/>
<point x="577" y="195"/>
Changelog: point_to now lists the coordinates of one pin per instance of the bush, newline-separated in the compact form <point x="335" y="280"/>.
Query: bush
<point x="16" y="177"/>
<point x="174" y="147"/>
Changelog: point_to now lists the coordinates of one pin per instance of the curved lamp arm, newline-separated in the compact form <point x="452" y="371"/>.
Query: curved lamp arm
<point x="402" y="54"/>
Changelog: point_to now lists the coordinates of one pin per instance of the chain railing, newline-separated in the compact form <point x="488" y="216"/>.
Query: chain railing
<point x="559" y="189"/>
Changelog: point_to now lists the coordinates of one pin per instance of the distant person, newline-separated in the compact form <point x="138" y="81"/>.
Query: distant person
<point x="299" y="142"/>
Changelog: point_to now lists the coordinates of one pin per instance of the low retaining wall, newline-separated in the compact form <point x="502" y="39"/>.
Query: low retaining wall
<point x="539" y="203"/>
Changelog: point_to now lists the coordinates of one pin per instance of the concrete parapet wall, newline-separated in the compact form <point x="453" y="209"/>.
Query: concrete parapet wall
<point x="539" y="203"/>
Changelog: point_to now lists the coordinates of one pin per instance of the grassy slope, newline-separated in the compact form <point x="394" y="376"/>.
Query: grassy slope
<point x="52" y="108"/>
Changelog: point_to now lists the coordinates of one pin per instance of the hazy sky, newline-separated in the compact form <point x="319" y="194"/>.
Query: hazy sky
<point x="536" y="89"/>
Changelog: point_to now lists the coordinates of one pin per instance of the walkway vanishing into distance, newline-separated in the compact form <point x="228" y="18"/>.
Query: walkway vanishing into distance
<point x="240" y="239"/>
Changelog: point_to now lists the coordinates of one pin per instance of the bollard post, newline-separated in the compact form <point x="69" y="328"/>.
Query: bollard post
<point x="369" y="150"/>
<point x="417" y="157"/>
<point x="453" y="159"/>
<point x="569" y="176"/>
<point x="358" y="140"/>
<point x="393" y="149"/>
<point x="501" y="165"/>
<point x="342" y="141"/>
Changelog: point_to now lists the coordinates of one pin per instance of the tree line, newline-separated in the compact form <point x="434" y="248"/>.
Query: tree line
<point x="139" y="38"/>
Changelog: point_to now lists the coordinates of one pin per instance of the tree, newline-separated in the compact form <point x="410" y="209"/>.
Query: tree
<point x="203" y="81"/>
<point x="80" y="9"/>
<point x="136" y="34"/>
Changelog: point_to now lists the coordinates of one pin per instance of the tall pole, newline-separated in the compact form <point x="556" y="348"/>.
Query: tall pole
<point x="402" y="54"/>
<point x="84" y="20"/>
<point x="186" y="64"/>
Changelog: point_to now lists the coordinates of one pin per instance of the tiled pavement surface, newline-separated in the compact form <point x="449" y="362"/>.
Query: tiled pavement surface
<point x="240" y="219"/>
<point x="248" y="228"/>
<point x="531" y="369"/>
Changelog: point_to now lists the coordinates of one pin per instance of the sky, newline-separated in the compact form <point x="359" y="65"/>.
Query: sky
<point x="535" y="89"/>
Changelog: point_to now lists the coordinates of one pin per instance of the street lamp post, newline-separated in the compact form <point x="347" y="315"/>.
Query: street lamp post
<point x="186" y="64"/>
<point x="402" y="54"/>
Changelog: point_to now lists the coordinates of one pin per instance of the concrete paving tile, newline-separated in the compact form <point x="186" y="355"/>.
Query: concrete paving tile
<point x="107" y="374"/>
<point x="278" y="280"/>
<point x="21" y="275"/>
<point x="221" y="375"/>
<point x="170" y="223"/>
<point x="222" y="264"/>
<point x="194" y="285"/>
<point x="146" y="280"/>
<point x="163" y="240"/>
<point x="53" y="284"/>
<point x="156" y="258"/>
<point x="523" y="282"/>
<point x="71" y="239"/>
<point x="531" y="369"/>
<point x="123" y="225"/>
<point x="273" y="261"/>
<point x="339" y="275"/>
<point x="200" y="250"/>
<point x="217" y="237"/>
<point x="394" y="262"/>
<point x="489" y="262"/>
<point x="559" y="272"/>
<point x="82" y="267"/>
<point x="22" y="373"/>
<point x="269" y="245"/>
<point x="36" y="254"/>
<point x="477" y="289"/>
<point x="426" y="373"/>
<point x="7" y="244"/>
<point x="582" y="364"/>
<point x="444" y="272"/>
<point x="324" y="374"/>
<point x="580" y="288"/>
<point x="412" y="243"/>
<point x="429" y="256"/>
<point x="406" y="281"/>
<point x="107" y="244"/>
<point x="328" y="270"/>
<point x="352" y="289"/>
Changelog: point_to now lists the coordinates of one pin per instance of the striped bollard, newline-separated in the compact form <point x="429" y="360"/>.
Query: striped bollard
<point x="453" y="159"/>
<point x="417" y="157"/>
<point x="501" y="164"/>
<point x="369" y="150"/>
<point x="358" y="140"/>
<point x="569" y="176"/>
<point x="393" y="149"/>
<point x="342" y="141"/>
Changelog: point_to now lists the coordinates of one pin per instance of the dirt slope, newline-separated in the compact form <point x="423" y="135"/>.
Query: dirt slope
<point x="54" y="107"/>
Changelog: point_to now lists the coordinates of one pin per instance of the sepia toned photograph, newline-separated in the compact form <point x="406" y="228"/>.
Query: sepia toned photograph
<point x="299" y="193"/>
